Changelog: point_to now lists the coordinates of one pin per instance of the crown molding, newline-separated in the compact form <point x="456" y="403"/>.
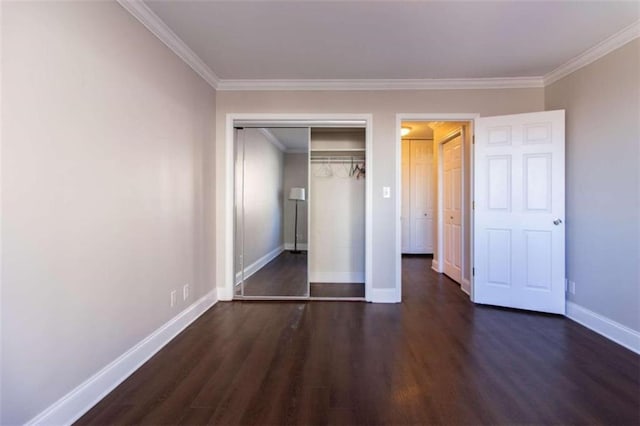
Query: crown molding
<point x="612" y="43"/>
<point x="383" y="84"/>
<point x="142" y="13"/>
<point x="272" y="138"/>
<point x="276" y="142"/>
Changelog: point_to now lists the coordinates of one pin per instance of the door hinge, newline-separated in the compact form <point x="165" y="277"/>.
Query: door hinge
<point x="473" y="139"/>
<point x="473" y="271"/>
<point x="473" y="205"/>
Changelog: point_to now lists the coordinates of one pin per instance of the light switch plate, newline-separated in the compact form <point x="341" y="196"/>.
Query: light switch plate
<point x="386" y="192"/>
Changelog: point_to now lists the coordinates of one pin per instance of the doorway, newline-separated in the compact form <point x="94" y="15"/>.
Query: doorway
<point x="445" y="189"/>
<point x="417" y="189"/>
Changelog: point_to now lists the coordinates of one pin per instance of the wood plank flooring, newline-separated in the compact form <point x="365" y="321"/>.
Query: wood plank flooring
<point x="434" y="359"/>
<point x="286" y="275"/>
<point x="337" y="289"/>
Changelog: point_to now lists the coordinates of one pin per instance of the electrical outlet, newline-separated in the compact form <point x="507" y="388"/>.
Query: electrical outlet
<point x="572" y="287"/>
<point x="185" y="292"/>
<point x="173" y="298"/>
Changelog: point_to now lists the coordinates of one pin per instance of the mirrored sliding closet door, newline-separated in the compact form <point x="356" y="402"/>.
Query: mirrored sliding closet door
<point x="271" y="194"/>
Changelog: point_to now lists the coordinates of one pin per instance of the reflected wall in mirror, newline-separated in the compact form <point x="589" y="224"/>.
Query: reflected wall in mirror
<point x="271" y="182"/>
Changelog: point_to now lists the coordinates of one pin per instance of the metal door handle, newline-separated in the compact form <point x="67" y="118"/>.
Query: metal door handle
<point x="557" y="222"/>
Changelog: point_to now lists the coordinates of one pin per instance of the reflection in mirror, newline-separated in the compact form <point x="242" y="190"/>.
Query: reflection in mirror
<point x="271" y="212"/>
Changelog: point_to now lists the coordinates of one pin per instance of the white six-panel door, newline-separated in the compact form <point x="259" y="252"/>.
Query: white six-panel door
<point x="519" y="234"/>
<point x="452" y="192"/>
<point x="405" y="218"/>
<point x="417" y="198"/>
<point x="421" y="196"/>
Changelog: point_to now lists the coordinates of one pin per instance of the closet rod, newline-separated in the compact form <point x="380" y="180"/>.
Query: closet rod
<point x="337" y="161"/>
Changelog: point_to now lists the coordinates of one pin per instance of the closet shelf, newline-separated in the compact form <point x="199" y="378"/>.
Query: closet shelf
<point x="338" y="150"/>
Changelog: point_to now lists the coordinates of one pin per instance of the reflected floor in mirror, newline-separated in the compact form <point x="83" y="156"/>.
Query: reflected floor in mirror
<point x="286" y="275"/>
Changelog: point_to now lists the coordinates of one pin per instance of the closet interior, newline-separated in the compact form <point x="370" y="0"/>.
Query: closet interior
<point x="337" y="212"/>
<point x="299" y="229"/>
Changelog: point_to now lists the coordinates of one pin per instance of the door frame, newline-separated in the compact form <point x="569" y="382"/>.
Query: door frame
<point x="400" y="117"/>
<point x="225" y="273"/>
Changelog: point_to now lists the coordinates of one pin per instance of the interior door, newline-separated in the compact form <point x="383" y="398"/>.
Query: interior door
<point x="421" y="206"/>
<point x="405" y="217"/>
<point x="452" y="190"/>
<point x="519" y="236"/>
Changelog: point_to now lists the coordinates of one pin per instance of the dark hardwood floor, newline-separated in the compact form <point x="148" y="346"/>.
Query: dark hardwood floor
<point x="286" y="275"/>
<point x="434" y="359"/>
<point x="337" y="289"/>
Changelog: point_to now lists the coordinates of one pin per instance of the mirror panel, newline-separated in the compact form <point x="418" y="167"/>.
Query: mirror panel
<point x="270" y="238"/>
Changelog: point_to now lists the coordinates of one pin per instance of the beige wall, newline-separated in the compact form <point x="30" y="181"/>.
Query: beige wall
<point x="104" y="145"/>
<point x="383" y="105"/>
<point x="296" y="174"/>
<point x="260" y="197"/>
<point x="602" y="102"/>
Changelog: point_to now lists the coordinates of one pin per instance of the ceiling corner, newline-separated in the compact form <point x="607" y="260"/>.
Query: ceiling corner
<point x="153" y="23"/>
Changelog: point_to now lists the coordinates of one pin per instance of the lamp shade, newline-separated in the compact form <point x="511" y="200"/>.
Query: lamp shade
<point x="296" y="194"/>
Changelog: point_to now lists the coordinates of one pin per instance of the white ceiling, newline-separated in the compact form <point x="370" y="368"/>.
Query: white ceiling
<point x="391" y="39"/>
<point x="293" y="139"/>
<point x="419" y="130"/>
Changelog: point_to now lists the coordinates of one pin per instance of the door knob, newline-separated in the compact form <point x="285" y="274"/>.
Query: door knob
<point x="557" y="222"/>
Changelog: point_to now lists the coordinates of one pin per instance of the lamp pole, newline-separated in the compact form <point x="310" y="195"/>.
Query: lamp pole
<point x="295" y="232"/>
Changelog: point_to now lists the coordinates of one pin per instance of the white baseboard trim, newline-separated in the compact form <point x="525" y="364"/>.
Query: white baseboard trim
<point x="610" y="329"/>
<point x="260" y="263"/>
<point x="336" y="277"/>
<point x="73" y="405"/>
<point x="435" y="266"/>
<point x="466" y="286"/>
<point x="225" y="294"/>
<point x="301" y="246"/>
<point x="384" y="295"/>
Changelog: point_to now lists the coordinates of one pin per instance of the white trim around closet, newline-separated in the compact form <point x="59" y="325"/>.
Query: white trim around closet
<point x="224" y="215"/>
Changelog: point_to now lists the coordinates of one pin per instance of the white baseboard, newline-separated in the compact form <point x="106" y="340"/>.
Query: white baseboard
<point x="435" y="266"/>
<point x="336" y="277"/>
<point x="73" y="405"/>
<point x="301" y="246"/>
<point x="225" y="294"/>
<point x="466" y="286"/>
<point x="260" y="263"/>
<point x="610" y="329"/>
<point x="384" y="295"/>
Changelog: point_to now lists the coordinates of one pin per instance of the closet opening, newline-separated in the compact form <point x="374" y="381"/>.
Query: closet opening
<point x="435" y="186"/>
<point x="300" y="210"/>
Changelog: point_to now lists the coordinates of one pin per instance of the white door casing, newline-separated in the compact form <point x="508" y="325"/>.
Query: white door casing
<point x="452" y="192"/>
<point x="519" y="234"/>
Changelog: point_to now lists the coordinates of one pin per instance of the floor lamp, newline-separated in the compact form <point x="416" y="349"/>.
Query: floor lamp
<point x="296" y="194"/>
